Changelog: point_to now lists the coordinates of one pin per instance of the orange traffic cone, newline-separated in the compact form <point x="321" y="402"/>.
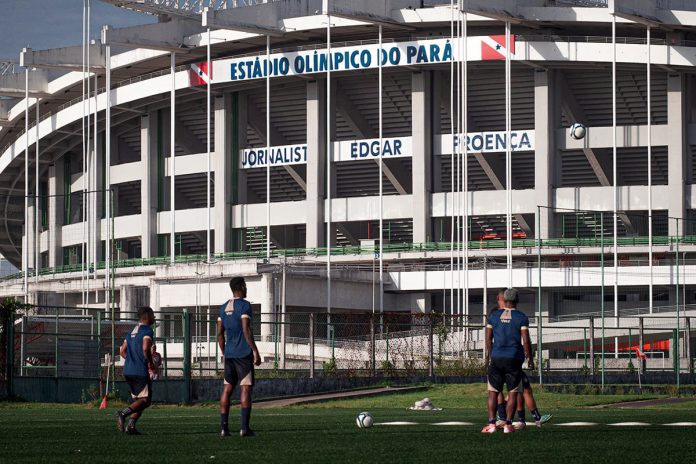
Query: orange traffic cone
<point x="103" y="403"/>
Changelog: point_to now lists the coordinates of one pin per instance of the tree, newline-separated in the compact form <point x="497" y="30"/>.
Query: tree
<point x="8" y="307"/>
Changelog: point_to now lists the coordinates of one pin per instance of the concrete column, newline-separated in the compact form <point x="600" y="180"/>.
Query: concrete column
<point x="155" y="305"/>
<point x="126" y="299"/>
<point x="545" y="113"/>
<point x="422" y="135"/>
<point x="95" y="199"/>
<point x="29" y="238"/>
<point x="267" y="308"/>
<point x="148" y="185"/>
<point x="55" y="213"/>
<point x="316" y="162"/>
<point x="675" y="150"/>
<point x="240" y="194"/>
<point x="223" y="173"/>
<point x="421" y="303"/>
<point x="436" y="102"/>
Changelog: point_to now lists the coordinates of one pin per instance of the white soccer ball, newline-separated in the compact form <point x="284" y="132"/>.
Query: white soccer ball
<point x="578" y="131"/>
<point x="364" y="420"/>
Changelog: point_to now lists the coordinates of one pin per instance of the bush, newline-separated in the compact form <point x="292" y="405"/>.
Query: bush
<point x="631" y="368"/>
<point x="388" y="368"/>
<point x="463" y="367"/>
<point x="330" y="368"/>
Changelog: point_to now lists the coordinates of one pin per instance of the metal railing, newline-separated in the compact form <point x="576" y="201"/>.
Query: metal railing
<point x="563" y="243"/>
<point x="78" y="342"/>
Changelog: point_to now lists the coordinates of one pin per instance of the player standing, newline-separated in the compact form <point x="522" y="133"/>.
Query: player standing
<point x="507" y="346"/>
<point x="527" y="393"/>
<point x="136" y="350"/>
<point x="236" y="341"/>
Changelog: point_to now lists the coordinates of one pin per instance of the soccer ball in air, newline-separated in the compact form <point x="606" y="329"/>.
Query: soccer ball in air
<point x="364" y="420"/>
<point x="578" y="131"/>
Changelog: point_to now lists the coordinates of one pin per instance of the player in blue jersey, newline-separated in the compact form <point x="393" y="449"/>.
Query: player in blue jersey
<point x="507" y="346"/>
<point x="236" y="341"/>
<point x="136" y="350"/>
<point x="527" y="393"/>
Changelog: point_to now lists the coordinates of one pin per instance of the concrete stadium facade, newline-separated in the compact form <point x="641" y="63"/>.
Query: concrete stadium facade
<point x="214" y="196"/>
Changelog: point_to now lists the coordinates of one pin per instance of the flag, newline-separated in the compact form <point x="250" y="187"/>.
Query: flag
<point x="103" y="403"/>
<point x="640" y="354"/>
<point x="199" y="74"/>
<point x="493" y="47"/>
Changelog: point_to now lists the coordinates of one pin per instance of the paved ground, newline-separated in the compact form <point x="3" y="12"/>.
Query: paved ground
<point x="283" y="402"/>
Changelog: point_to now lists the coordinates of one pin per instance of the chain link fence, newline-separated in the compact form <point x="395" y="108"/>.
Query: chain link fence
<point x="60" y="342"/>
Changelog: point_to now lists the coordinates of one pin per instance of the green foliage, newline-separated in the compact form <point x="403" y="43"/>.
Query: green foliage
<point x="388" y="368"/>
<point x="630" y="368"/>
<point x="8" y="307"/>
<point x="90" y="394"/>
<point x="330" y="368"/>
<point x="440" y="331"/>
<point x="462" y="367"/>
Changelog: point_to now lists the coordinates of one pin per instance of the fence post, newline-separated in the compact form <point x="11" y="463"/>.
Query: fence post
<point x="675" y="353"/>
<point x="687" y="344"/>
<point x="99" y="366"/>
<point x="311" y="346"/>
<point x="373" y="367"/>
<point x="9" y="351"/>
<point x="592" y="348"/>
<point x="641" y="344"/>
<point x="187" y="355"/>
<point x="430" y="348"/>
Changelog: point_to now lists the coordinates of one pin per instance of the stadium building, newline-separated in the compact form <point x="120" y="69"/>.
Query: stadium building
<point x="152" y="165"/>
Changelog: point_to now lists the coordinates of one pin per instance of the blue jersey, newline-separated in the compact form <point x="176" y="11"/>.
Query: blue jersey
<point x="507" y="325"/>
<point x="231" y="315"/>
<point x="136" y="363"/>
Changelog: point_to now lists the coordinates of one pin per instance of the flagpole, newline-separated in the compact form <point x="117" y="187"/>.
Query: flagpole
<point x="452" y="130"/>
<point x="207" y="118"/>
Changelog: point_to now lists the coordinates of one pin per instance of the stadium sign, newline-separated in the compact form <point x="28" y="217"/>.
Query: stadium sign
<point x="392" y="147"/>
<point x="348" y="58"/>
<point x="280" y="155"/>
<point x="355" y="150"/>
<point x="486" y="142"/>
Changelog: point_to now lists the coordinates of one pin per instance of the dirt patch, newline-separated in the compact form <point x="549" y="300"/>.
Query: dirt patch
<point x="638" y="404"/>
<point x="284" y="402"/>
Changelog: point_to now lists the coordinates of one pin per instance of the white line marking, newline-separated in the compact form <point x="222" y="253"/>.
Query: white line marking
<point x="454" y="423"/>
<point x="683" y="424"/>
<point x="578" y="424"/>
<point x="630" y="424"/>
<point x="396" y="423"/>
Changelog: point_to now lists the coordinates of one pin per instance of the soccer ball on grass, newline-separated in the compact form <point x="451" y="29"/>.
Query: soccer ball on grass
<point x="364" y="420"/>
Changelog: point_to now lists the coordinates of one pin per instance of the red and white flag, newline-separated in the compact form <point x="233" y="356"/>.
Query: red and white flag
<point x="640" y="354"/>
<point x="493" y="47"/>
<point x="199" y="74"/>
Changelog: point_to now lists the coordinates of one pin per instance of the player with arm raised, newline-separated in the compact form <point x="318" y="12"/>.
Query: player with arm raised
<point x="136" y="350"/>
<point x="236" y="341"/>
<point x="507" y="346"/>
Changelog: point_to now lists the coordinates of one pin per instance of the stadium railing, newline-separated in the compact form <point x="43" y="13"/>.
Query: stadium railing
<point x="575" y="242"/>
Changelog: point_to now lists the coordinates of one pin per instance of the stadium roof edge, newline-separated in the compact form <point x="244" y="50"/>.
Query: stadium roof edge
<point x="194" y="36"/>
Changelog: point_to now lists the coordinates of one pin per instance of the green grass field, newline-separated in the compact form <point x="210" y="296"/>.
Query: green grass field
<point x="326" y="432"/>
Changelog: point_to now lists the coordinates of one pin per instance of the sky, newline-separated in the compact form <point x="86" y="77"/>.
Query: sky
<point x="42" y="24"/>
